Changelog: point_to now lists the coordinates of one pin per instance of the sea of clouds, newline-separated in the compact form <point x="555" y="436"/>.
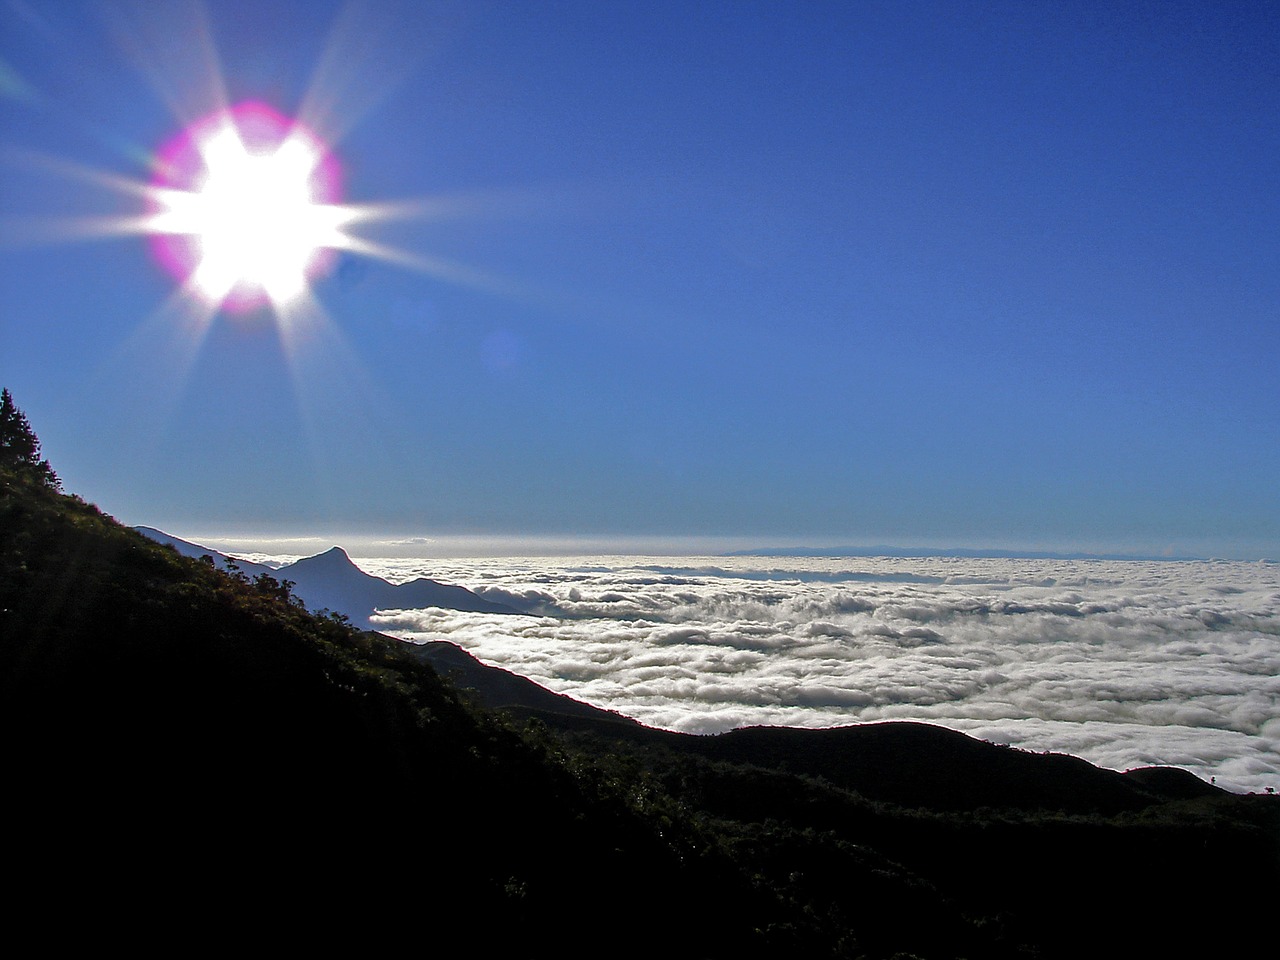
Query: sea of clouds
<point x="1123" y="663"/>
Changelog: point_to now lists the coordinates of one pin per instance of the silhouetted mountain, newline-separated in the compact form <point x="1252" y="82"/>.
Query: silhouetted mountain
<point x="912" y="764"/>
<point x="500" y="689"/>
<point x="330" y="581"/>
<point x="1171" y="783"/>
<point x="220" y="560"/>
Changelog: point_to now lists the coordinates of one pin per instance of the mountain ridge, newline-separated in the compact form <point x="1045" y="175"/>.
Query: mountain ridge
<point x="330" y="580"/>
<point x="947" y="769"/>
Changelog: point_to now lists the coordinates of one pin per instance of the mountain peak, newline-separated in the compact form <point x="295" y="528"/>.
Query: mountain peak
<point x="333" y="557"/>
<point x="331" y="580"/>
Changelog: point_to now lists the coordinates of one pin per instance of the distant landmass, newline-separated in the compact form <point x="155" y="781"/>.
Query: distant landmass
<point x="330" y="581"/>
<point x="500" y="689"/>
<point x="923" y="552"/>
<point x="915" y="764"/>
<point x="222" y="561"/>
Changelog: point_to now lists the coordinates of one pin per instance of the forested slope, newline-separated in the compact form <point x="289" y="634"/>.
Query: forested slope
<point x="188" y="744"/>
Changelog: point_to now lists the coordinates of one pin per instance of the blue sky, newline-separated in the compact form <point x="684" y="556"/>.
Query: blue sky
<point x="950" y="274"/>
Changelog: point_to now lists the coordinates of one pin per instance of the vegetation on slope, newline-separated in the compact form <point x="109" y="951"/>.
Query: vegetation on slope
<point x="180" y="741"/>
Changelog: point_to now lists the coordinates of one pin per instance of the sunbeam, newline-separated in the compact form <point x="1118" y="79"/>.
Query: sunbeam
<point x="171" y="44"/>
<point x="154" y="364"/>
<point x="437" y="267"/>
<point x="332" y="389"/>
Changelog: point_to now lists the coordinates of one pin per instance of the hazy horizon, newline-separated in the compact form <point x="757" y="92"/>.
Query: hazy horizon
<point x="446" y="545"/>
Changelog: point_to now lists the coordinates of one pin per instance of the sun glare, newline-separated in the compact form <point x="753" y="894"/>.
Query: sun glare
<point x="245" y="207"/>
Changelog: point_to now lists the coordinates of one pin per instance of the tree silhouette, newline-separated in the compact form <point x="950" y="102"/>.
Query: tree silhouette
<point x="20" y="447"/>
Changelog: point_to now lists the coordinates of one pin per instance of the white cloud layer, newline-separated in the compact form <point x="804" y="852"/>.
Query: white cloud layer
<point x="1123" y="663"/>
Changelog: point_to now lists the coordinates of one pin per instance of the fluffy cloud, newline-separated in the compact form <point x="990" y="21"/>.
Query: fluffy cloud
<point x="1123" y="663"/>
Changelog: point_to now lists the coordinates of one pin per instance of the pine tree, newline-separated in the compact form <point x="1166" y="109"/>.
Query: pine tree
<point x="20" y="447"/>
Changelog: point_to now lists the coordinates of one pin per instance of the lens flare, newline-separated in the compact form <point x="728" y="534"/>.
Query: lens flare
<point x="244" y="208"/>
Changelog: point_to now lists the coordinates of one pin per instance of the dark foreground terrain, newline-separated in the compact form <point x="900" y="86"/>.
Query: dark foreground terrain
<point x="191" y="759"/>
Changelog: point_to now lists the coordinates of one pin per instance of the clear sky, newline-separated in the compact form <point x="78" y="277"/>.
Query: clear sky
<point x="951" y="274"/>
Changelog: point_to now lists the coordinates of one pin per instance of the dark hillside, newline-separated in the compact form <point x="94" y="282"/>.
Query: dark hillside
<point x="906" y="821"/>
<point x="180" y="744"/>
<point x="918" y="764"/>
<point x="1168" y="873"/>
<point x="501" y="689"/>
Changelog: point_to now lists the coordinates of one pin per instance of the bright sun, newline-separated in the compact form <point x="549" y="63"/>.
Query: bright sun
<point x="245" y="207"/>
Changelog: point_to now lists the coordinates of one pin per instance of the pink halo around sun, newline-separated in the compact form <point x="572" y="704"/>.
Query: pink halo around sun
<point x="182" y="165"/>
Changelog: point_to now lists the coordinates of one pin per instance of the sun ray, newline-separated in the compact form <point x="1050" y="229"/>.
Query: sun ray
<point x="438" y="267"/>
<point x="31" y="232"/>
<point x="171" y="44"/>
<point x="149" y="370"/>
<point x="341" y="406"/>
<point x="69" y="169"/>
<point x="367" y="54"/>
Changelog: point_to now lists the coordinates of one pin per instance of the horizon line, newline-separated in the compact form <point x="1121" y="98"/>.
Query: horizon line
<point x="447" y="545"/>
